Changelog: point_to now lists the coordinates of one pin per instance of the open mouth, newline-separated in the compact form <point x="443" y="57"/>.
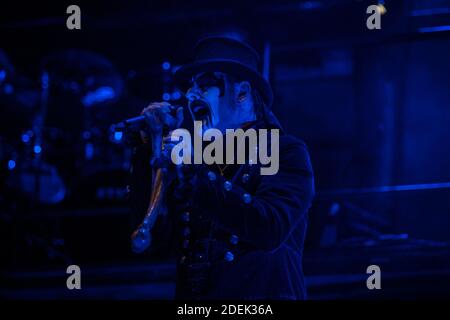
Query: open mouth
<point x="201" y="112"/>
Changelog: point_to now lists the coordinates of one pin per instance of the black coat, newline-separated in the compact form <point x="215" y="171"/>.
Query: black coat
<point x="242" y="243"/>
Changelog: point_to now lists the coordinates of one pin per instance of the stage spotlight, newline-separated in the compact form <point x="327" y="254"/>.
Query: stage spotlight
<point x="381" y="8"/>
<point x="11" y="164"/>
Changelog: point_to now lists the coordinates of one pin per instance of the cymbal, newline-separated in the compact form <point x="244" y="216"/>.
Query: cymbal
<point x="19" y="98"/>
<point x="88" y="74"/>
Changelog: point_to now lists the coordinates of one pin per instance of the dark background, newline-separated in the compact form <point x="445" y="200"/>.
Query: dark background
<point x="372" y="105"/>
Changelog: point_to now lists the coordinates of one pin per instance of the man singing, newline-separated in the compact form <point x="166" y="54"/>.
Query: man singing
<point x="239" y="233"/>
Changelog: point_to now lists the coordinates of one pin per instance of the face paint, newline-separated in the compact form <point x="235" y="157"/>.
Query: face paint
<point x="203" y="95"/>
<point x="208" y="80"/>
<point x="201" y="110"/>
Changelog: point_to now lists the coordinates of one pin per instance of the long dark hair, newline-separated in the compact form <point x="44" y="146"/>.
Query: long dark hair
<point x="259" y="105"/>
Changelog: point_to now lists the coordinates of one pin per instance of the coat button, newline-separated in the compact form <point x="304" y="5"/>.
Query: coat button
<point x="186" y="231"/>
<point x="227" y="185"/>
<point x="234" y="239"/>
<point x="246" y="198"/>
<point x="245" y="178"/>
<point x="145" y="223"/>
<point x="211" y="176"/>
<point x="199" y="257"/>
<point x="229" y="256"/>
<point x="185" y="216"/>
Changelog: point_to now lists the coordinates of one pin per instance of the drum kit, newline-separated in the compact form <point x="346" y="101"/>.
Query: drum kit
<point x="56" y="144"/>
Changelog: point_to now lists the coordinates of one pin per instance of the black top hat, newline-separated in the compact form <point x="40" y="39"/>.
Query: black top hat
<point x="227" y="55"/>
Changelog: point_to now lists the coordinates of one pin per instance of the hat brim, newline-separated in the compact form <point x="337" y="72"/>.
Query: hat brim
<point x="186" y="72"/>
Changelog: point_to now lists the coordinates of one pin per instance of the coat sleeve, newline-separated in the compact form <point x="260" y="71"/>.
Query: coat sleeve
<point x="279" y="202"/>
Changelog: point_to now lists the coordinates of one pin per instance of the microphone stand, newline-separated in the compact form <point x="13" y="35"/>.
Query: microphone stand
<point x="141" y="238"/>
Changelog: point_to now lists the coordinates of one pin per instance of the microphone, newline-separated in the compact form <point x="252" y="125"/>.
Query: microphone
<point x="138" y="122"/>
<point x="132" y="122"/>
